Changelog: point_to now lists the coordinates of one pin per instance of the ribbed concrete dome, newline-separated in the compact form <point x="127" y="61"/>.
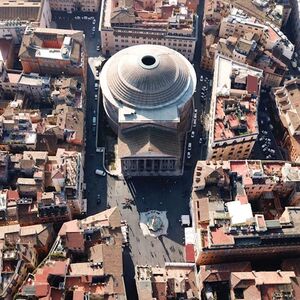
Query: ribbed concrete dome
<point x="147" y="76"/>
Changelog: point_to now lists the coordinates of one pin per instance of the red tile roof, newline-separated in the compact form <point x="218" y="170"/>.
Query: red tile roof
<point x="12" y="195"/>
<point x="252" y="84"/>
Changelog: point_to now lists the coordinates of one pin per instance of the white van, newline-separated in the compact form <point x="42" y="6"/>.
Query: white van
<point x="100" y="172"/>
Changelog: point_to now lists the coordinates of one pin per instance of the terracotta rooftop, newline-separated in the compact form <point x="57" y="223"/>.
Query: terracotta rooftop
<point x="227" y="216"/>
<point x="235" y="93"/>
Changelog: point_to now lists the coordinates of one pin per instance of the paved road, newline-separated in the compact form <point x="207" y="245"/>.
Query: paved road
<point x="266" y="137"/>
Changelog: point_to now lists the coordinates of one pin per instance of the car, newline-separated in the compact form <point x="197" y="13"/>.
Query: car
<point x="195" y="110"/>
<point x="96" y="97"/>
<point x="201" y="78"/>
<point x="200" y="141"/>
<point x="94" y="28"/>
<point x="195" y="115"/>
<point x="188" y="155"/>
<point x="264" y="132"/>
<point x="100" y="172"/>
<point x="100" y="149"/>
<point x="194" y="122"/>
<point x="272" y="151"/>
<point x="189" y="146"/>
<point x="261" y="122"/>
<point x="98" y="48"/>
<point x="192" y="134"/>
<point x="93" y="34"/>
<point x="94" y="22"/>
<point x="98" y="199"/>
<point x="96" y="86"/>
<point x="268" y="156"/>
<point x="77" y="18"/>
<point x="85" y="18"/>
<point x="94" y="112"/>
<point x="97" y="73"/>
<point x="264" y="149"/>
<point x="94" y="121"/>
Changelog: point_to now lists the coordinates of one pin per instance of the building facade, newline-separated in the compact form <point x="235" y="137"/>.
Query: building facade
<point x="123" y="25"/>
<point x="53" y="51"/>
<point x="286" y="99"/>
<point x="72" y="6"/>
<point x="245" y="208"/>
<point x="233" y="125"/>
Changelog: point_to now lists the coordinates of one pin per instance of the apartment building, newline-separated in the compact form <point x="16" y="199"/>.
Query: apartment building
<point x="16" y="261"/>
<point x="233" y="127"/>
<point x="34" y="86"/>
<point x="274" y="11"/>
<point x="264" y="285"/>
<point x="86" y="259"/>
<point x="75" y="5"/>
<point x="173" y="280"/>
<point x="53" y="51"/>
<point x="287" y="102"/>
<point x="274" y="69"/>
<point x="18" y="130"/>
<point x="238" y="23"/>
<point x="16" y="15"/>
<point x="245" y="209"/>
<point x="214" y="12"/>
<point x="241" y="281"/>
<point x="124" y="23"/>
<point x="48" y="188"/>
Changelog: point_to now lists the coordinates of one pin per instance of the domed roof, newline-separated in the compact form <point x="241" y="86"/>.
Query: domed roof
<point x="148" y="76"/>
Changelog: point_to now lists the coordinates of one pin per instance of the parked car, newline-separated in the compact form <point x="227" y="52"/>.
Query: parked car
<point x="94" y="121"/>
<point x="94" y="28"/>
<point x="94" y="22"/>
<point x="97" y="73"/>
<point x="96" y="86"/>
<point x="100" y="172"/>
<point x="194" y="122"/>
<point x="200" y="141"/>
<point x="98" y="199"/>
<point x="189" y="146"/>
<point x="192" y="134"/>
<point x="201" y="78"/>
<point x="98" y="48"/>
<point x="188" y="155"/>
<point x="96" y="97"/>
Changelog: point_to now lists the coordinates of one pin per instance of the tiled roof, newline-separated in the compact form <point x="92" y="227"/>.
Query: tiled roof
<point x="149" y="141"/>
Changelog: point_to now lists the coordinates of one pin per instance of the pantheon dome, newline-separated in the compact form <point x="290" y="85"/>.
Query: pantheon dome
<point x="147" y="96"/>
<point x="146" y="77"/>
